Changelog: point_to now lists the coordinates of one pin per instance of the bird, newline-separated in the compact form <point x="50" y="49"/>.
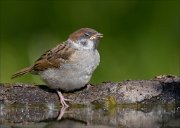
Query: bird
<point x="69" y="65"/>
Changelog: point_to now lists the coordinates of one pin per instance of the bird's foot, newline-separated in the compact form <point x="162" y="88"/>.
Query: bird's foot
<point x="68" y="100"/>
<point x="62" y="99"/>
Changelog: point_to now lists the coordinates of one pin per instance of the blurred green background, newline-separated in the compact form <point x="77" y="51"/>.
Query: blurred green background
<point x="141" y="38"/>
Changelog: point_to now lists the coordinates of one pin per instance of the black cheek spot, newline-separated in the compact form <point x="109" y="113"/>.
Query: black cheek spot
<point x="84" y="43"/>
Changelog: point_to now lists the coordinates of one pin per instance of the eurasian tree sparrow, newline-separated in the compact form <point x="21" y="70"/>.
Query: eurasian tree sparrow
<point x="69" y="65"/>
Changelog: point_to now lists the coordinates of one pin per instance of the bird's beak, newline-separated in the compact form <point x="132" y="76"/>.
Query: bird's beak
<point x="96" y="36"/>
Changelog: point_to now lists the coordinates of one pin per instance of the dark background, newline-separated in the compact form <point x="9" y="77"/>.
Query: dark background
<point x="141" y="38"/>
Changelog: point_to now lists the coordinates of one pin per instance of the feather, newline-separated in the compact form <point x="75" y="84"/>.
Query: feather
<point x="22" y="72"/>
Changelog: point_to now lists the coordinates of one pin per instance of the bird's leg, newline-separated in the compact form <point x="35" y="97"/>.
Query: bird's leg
<point x="62" y="99"/>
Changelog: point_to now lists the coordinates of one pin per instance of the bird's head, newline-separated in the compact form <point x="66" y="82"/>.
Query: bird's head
<point x="85" y="39"/>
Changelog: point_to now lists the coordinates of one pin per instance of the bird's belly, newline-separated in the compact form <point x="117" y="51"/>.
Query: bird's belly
<point x="58" y="79"/>
<point x="70" y="76"/>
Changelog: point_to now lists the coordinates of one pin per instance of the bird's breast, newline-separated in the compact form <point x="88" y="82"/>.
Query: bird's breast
<point x="84" y="61"/>
<point x="75" y="73"/>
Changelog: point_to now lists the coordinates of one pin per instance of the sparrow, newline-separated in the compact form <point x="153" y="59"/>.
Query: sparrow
<point x="69" y="65"/>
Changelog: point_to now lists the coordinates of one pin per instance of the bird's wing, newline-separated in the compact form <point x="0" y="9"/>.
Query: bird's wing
<point x="53" y="58"/>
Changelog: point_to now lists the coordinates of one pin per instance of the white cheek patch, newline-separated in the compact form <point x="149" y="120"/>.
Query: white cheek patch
<point x="89" y="45"/>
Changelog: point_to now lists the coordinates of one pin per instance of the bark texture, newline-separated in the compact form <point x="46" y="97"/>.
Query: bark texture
<point x="161" y="89"/>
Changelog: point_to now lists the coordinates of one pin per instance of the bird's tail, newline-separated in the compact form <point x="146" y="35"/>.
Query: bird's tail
<point x="22" y="72"/>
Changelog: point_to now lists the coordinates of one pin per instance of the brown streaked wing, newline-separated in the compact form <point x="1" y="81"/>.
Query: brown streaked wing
<point x="54" y="58"/>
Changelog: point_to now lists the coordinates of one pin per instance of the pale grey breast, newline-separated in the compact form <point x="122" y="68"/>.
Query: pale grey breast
<point x="74" y="74"/>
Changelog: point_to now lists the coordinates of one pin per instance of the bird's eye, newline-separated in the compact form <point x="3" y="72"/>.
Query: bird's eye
<point x="87" y="34"/>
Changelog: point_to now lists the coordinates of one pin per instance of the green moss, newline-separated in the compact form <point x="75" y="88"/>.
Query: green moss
<point x="110" y="102"/>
